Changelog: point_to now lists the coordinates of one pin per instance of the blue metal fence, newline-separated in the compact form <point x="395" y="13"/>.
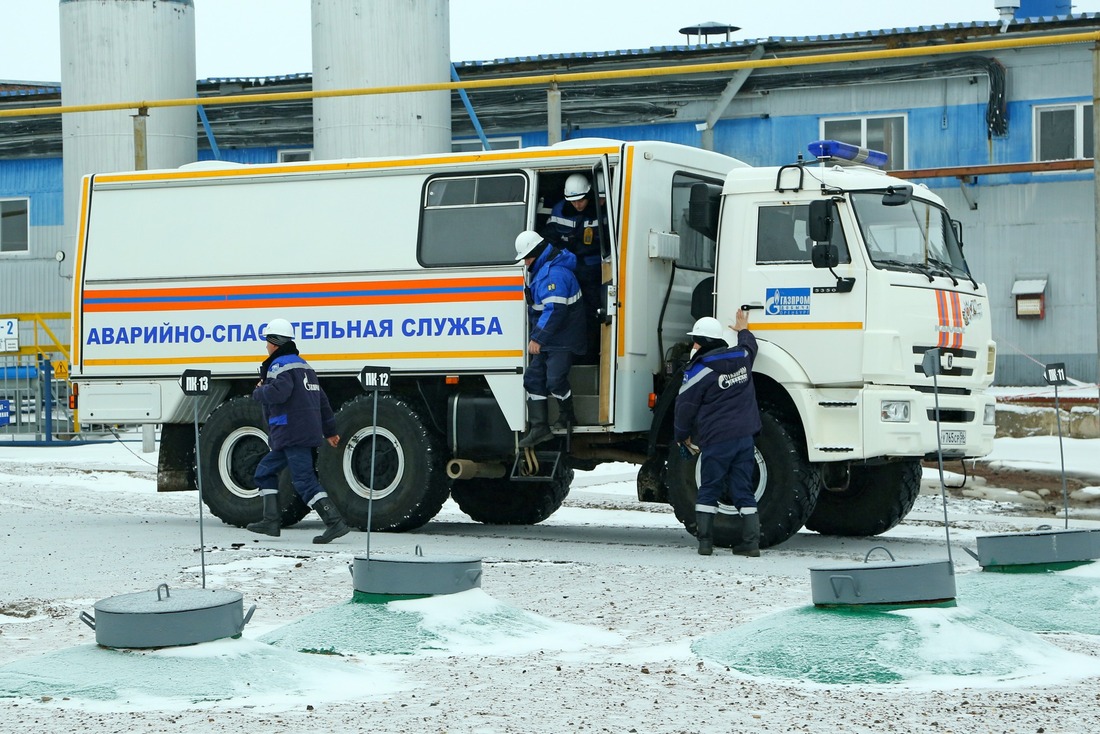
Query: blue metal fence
<point x="34" y="402"/>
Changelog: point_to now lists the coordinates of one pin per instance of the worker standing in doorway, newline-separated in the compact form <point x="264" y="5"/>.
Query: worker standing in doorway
<point x="555" y="333"/>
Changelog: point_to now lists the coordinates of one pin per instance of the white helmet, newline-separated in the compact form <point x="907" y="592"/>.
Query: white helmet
<point x="709" y="327"/>
<point x="279" y="327"/>
<point x="576" y="186"/>
<point x="526" y="242"/>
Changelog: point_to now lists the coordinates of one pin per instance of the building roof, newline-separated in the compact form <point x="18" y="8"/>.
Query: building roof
<point x="624" y="101"/>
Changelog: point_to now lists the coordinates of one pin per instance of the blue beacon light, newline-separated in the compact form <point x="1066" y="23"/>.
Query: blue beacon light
<point x="846" y="151"/>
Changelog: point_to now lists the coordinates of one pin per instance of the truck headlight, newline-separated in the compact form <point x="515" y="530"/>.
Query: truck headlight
<point x="990" y="418"/>
<point x="894" y="411"/>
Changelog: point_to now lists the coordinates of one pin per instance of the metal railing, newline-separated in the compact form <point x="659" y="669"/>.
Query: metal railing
<point x="34" y="401"/>
<point x="34" y="385"/>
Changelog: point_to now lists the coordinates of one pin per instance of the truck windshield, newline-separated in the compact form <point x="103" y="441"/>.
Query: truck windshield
<point x="913" y="236"/>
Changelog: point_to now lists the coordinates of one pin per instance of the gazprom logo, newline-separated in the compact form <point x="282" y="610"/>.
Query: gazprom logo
<point x="787" y="302"/>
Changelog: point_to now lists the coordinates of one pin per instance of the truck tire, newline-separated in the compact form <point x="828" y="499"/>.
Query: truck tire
<point x="508" y="502"/>
<point x="787" y="486"/>
<point x="410" y="479"/>
<point x="878" y="497"/>
<point x="231" y="444"/>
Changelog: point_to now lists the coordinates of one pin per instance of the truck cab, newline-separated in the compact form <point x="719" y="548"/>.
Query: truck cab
<point x="852" y="277"/>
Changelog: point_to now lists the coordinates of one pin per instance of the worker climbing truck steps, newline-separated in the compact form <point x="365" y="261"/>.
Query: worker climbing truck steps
<point x="409" y="264"/>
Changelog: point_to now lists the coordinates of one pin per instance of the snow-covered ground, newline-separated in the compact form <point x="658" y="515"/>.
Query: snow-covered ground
<point x="603" y="618"/>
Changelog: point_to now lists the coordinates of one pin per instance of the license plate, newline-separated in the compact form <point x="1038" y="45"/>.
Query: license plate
<point x="953" y="438"/>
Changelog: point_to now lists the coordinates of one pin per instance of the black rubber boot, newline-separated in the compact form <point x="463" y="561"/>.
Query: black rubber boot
<point x="750" y="537"/>
<point x="704" y="531"/>
<point x="335" y="527"/>
<point x="271" y="521"/>
<point x="538" y="430"/>
<point x="566" y="417"/>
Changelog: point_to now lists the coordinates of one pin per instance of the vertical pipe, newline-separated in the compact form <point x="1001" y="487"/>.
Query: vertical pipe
<point x="141" y="150"/>
<point x="706" y="139"/>
<point x="553" y="115"/>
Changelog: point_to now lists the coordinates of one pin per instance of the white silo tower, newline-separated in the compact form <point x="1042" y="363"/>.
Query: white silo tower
<point x="372" y="43"/>
<point x="121" y="51"/>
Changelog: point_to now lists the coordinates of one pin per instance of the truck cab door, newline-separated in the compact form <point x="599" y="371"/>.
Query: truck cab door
<point x="796" y="306"/>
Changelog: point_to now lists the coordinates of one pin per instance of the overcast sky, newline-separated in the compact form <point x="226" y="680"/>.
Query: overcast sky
<point x="272" y="37"/>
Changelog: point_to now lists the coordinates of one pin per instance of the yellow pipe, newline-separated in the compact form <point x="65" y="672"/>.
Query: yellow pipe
<point x="548" y="79"/>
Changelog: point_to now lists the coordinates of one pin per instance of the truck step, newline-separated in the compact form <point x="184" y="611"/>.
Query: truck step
<point x="537" y="466"/>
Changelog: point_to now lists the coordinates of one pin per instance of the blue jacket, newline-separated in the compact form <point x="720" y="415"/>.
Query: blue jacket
<point x="555" y="312"/>
<point x="717" y="401"/>
<point x="578" y="232"/>
<point x="296" y="409"/>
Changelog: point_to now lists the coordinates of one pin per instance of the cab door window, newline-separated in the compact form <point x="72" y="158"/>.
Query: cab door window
<point x="782" y="235"/>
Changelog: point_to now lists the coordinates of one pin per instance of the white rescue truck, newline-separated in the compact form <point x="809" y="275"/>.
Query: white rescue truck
<point x="407" y="263"/>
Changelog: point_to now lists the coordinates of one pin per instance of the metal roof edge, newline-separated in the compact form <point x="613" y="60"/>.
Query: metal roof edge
<point x="749" y="42"/>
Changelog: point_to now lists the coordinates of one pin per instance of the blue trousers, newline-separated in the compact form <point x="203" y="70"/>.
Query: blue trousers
<point x="725" y="471"/>
<point x="302" y="472"/>
<point x="548" y="374"/>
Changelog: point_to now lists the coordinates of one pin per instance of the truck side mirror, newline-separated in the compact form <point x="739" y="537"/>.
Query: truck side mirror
<point x="825" y="255"/>
<point x="822" y="216"/>
<point x="703" y="206"/>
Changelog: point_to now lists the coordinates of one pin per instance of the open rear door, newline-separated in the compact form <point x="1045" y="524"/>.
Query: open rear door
<point x="608" y="188"/>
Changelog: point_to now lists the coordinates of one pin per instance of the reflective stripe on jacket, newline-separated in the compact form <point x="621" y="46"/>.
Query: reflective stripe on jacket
<point x="717" y="400"/>
<point x="296" y="409"/>
<point x="556" y="314"/>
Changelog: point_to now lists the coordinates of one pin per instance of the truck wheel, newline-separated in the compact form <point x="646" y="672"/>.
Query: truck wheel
<point x="410" y="480"/>
<point x="877" y="498"/>
<point x="787" y="486"/>
<point x="231" y="444"/>
<point x="508" y="502"/>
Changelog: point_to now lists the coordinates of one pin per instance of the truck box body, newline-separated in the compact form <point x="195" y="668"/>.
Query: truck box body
<point x="409" y="263"/>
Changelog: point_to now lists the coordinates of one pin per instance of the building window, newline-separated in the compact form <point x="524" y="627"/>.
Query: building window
<point x="1063" y="132"/>
<point x="472" y="220"/>
<point x="293" y="155"/>
<point x="474" y="145"/>
<point x="882" y="132"/>
<point x="14" y="225"/>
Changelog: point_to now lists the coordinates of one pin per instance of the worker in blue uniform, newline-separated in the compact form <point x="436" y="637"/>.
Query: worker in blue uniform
<point x="299" y="418"/>
<point x="717" y="417"/>
<point x="575" y="226"/>
<point x="555" y="333"/>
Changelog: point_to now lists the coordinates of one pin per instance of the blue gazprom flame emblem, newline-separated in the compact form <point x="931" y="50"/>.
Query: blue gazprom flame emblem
<point x="787" y="302"/>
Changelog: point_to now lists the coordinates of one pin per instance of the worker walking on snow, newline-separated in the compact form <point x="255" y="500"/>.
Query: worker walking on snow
<point x="555" y="331"/>
<point x="716" y="412"/>
<point x="298" y="418"/>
